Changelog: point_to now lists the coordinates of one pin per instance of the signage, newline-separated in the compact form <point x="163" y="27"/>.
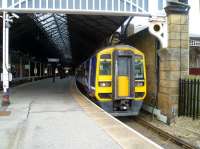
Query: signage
<point x="53" y="60"/>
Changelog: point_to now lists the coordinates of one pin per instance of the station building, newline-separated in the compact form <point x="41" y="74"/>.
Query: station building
<point x="165" y="64"/>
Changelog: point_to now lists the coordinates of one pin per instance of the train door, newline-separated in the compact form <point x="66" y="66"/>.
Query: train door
<point x="123" y="80"/>
<point x="123" y="76"/>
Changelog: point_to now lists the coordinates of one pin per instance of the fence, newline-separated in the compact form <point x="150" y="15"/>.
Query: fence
<point x="189" y="98"/>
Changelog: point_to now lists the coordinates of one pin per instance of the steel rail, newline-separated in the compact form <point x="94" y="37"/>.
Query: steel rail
<point x="165" y="134"/>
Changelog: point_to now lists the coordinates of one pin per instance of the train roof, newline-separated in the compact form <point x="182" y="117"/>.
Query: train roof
<point x="118" y="47"/>
<point x="114" y="46"/>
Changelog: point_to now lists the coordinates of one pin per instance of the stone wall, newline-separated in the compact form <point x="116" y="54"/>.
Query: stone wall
<point x="174" y="63"/>
<point x="145" y="42"/>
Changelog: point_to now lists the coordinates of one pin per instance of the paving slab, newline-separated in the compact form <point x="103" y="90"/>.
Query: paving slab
<point x="44" y="115"/>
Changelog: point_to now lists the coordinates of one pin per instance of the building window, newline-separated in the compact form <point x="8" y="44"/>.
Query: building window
<point x="160" y="4"/>
<point x="140" y="3"/>
<point x="143" y="4"/>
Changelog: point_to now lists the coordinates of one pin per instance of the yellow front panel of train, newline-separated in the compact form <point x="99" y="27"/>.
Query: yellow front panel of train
<point x="123" y="86"/>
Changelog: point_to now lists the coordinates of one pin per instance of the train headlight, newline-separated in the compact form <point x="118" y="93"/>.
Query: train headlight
<point x="138" y="83"/>
<point x="104" y="84"/>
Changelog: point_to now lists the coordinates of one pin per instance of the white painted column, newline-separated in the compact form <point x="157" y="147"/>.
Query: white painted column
<point x="35" y="69"/>
<point x="5" y="64"/>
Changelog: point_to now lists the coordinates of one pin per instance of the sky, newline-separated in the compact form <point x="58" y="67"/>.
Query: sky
<point x="194" y="17"/>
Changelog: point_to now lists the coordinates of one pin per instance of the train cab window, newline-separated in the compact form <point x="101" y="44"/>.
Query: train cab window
<point x="123" y="66"/>
<point x="105" y="68"/>
<point x="139" y="68"/>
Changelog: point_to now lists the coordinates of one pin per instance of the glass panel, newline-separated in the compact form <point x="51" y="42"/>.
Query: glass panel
<point x="37" y="3"/>
<point x="77" y="2"/>
<point x="83" y="5"/>
<point x="160" y="4"/>
<point x="96" y="4"/>
<point x="109" y="4"/>
<point x="146" y="5"/>
<point x="134" y="8"/>
<point x="105" y="68"/>
<point x="64" y="4"/>
<point x="115" y="4"/>
<point x="103" y="4"/>
<point x="23" y="4"/>
<point x="140" y="3"/>
<point x="50" y="3"/>
<point x="30" y="4"/>
<point x="123" y="66"/>
<point x="121" y="6"/>
<point x="90" y="4"/>
<point x="128" y="7"/>
<point x="9" y="2"/>
<point x="43" y="4"/>
<point x="56" y="28"/>
<point x="57" y="4"/>
<point x="134" y="1"/>
<point x="139" y="68"/>
<point x="70" y="4"/>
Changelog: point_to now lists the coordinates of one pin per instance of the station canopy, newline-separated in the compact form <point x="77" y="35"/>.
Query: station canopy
<point x="76" y="28"/>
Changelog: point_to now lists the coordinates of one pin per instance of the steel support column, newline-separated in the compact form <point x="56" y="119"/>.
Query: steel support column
<point x="35" y="69"/>
<point x="40" y="69"/>
<point x="51" y="71"/>
<point x="5" y="64"/>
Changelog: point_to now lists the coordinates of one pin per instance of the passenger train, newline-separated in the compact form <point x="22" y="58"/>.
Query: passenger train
<point x="116" y="78"/>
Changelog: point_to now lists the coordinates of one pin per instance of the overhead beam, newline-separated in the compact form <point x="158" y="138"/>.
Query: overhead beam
<point x="114" y="7"/>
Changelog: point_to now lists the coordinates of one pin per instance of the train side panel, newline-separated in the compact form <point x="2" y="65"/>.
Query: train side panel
<point x="92" y="76"/>
<point x="104" y="76"/>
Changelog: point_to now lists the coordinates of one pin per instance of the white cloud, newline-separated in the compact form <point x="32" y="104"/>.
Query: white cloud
<point x="194" y="17"/>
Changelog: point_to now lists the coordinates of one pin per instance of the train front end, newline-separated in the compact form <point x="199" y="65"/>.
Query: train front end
<point x="121" y="80"/>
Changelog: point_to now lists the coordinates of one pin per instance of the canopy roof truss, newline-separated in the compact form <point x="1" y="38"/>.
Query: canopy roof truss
<point x="56" y="27"/>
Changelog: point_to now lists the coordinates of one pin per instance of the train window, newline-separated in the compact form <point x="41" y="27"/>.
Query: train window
<point x="139" y="68"/>
<point x="105" y="56"/>
<point x="105" y="68"/>
<point x="123" y="66"/>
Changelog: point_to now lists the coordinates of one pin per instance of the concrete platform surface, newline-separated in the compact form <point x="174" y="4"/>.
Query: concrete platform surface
<point x="46" y="115"/>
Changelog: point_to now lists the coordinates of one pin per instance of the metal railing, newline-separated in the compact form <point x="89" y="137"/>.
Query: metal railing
<point x="194" y="43"/>
<point x="189" y="97"/>
<point x="123" y="7"/>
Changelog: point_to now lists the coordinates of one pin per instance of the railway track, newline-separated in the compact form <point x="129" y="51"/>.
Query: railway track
<point x="158" y="135"/>
<point x="161" y="137"/>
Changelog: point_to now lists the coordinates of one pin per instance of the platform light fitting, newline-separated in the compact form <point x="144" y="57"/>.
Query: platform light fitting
<point x="15" y="15"/>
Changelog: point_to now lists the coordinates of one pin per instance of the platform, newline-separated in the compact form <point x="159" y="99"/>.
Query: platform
<point x="47" y="115"/>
